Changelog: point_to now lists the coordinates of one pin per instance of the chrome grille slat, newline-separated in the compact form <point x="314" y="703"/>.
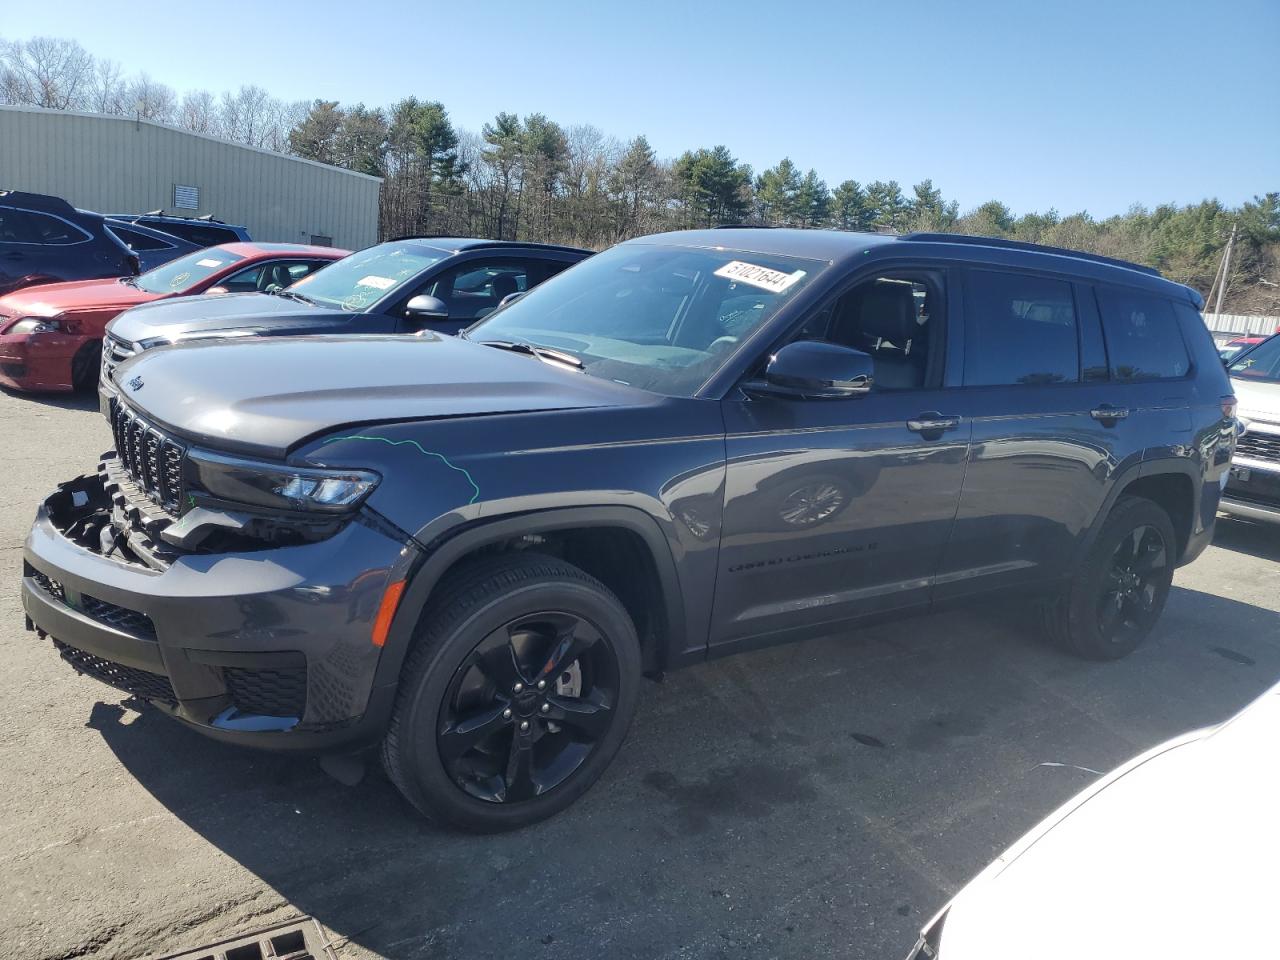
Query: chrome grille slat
<point x="1259" y="446"/>
<point x="151" y="458"/>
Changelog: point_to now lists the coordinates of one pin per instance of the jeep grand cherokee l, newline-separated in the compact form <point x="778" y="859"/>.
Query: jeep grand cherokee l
<point x="467" y="551"/>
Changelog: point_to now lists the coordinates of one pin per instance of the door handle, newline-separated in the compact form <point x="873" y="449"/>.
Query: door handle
<point x="1106" y="412"/>
<point x="932" y="422"/>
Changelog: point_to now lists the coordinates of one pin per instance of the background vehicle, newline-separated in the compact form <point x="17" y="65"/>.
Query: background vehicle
<point x="468" y="550"/>
<point x="1253" y="489"/>
<point x="403" y="286"/>
<point x="44" y="239"/>
<point x="1235" y="347"/>
<point x="51" y="336"/>
<point x="150" y="247"/>
<point x="200" y="231"/>
<point x="1169" y="856"/>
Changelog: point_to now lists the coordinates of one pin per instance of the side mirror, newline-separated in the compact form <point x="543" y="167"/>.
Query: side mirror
<point x="215" y="290"/>
<point x="811" y="368"/>
<point x="426" y="308"/>
<point x="511" y="298"/>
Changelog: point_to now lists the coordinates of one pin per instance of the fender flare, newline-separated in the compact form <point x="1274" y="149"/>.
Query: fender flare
<point x="1145" y="468"/>
<point x="465" y="538"/>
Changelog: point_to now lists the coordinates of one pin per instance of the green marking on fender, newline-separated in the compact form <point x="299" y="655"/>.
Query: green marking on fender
<point x="426" y="453"/>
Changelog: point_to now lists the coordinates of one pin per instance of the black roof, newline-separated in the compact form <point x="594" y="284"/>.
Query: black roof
<point x="36" y="201"/>
<point x="843" y="247"/>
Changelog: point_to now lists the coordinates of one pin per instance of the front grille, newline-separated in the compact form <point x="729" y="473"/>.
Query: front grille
<point x="140" y="683"/>
<point x="1259" y="446"/>
<point x="269" y="693"/>
<point x="152" y="459"/>
<point x="114" y="352"/>
<point x="113" y="615"/>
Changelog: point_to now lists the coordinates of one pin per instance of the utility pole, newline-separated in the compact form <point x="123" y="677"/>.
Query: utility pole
<point x="1225" y="272"/>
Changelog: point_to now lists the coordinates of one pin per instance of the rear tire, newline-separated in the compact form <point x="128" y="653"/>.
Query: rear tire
<point x="1119" y="591"/>
<point x="85" y="366"/>
<point x="516" y="695"/>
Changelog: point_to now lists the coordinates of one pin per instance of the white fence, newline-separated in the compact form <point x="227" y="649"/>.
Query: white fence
<point x="1241" y="326"/>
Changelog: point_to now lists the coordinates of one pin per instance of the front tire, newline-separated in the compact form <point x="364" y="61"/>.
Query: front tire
<point x="1120" y="590"/>
<point x="516" y="695"/>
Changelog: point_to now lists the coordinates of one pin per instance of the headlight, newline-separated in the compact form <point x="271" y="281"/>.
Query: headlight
<point x="35" y="325"/>
<point x="277" y="486"/>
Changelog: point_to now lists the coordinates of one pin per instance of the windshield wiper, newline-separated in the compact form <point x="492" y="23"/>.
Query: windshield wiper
<point x="301" y="298"/>
<point x="131" y="281"/>
<point x="546" y="354"/>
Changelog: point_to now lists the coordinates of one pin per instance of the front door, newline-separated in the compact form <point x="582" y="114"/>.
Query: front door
<point x="836" y="509"/>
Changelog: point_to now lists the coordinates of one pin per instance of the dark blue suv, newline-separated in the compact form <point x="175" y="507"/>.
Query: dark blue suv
<point x="468" y="551"/>
<point x="44" y="239"/>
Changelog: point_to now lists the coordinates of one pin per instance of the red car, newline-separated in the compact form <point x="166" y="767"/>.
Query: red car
<point x="1239" y="346"/>
<point x="51" y="335"/>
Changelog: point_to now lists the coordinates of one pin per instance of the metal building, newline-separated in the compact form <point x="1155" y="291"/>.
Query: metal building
<point x="122" y="165"/>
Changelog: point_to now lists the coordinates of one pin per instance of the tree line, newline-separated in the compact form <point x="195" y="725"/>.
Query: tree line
<point x="531" y="178"/>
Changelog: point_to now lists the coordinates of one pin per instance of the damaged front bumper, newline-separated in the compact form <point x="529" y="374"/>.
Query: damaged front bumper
<point x="269" y="647"/>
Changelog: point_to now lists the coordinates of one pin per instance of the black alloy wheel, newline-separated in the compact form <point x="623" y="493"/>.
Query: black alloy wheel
<point x="516" y="693"/>
<point x="528" y="706"/>
<point x="1132" y="585"/>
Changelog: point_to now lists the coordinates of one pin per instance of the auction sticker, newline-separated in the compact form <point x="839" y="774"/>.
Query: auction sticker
<point x="775" y="281"/>
<point x="378" y="283"/>
<point x="208" y="263"/>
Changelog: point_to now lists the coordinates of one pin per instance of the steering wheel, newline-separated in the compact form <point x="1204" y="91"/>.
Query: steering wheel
<point x="722" y="345"/>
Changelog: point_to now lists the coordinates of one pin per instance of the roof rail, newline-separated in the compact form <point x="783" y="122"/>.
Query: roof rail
<point x="926" y="237"/>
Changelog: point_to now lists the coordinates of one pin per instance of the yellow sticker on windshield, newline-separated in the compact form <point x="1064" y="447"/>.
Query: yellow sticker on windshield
<point x="775" y="281"/>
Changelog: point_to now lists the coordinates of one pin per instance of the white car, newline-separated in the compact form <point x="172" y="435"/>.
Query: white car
<point x="1253" y="486"/>
<point x="1175" y="855"/>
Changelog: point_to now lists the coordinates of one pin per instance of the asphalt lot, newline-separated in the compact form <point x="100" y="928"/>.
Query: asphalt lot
<point x="818" y="800"/>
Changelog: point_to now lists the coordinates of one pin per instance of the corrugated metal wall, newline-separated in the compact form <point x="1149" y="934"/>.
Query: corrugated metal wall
<point x="120" y="165"/>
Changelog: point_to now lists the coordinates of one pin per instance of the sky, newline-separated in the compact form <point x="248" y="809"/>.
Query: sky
<point x="1072" y="105"/>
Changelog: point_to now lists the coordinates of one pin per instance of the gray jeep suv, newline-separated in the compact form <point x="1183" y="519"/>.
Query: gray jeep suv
<point x="467" y="552"/>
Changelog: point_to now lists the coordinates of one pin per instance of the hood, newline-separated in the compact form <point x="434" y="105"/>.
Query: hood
<point x="51" y="299"/>
<point x="1175" y="858"/>
<point x="264" y="396"/>
<point x="1256" y="399"/>
<point x="168" y="319"/>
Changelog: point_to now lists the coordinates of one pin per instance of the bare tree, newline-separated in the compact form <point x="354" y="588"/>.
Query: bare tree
<point x="199" y="113"/>
<point x="46" y="72"/>
<point x="149" y="99"/>
<point x="107" y="91"/>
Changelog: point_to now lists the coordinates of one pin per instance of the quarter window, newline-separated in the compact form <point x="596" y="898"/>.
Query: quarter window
<point x="1019" y="329"/>
<point x="1143" y="339"/>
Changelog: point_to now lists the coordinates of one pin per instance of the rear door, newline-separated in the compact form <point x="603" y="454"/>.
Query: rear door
<point x="1044" y="451"/>
<point x="37" y="247"/>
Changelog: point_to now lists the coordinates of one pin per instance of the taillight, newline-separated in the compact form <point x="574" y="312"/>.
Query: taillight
<point x="1228" y="408"/>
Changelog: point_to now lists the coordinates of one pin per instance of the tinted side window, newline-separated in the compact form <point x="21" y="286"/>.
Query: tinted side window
<point x="1019" y="329"/>
<point x="53" y="230"/>
<point x="16" y="227"/>
<point x="139" y="241"/>
<point x="475" y="289"/>
<point x="1143" y="339"/>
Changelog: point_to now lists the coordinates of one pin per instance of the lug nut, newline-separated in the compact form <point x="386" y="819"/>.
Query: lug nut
<point x="546" y="708"/>
<point x="517" y="688"/>
<point x="524" y="726"/>
<point x="542" y="684"/>
<point x="506" y="714"/>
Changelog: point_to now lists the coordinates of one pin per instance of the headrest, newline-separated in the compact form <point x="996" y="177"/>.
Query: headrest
<point x="504" y="284"/>
<point x="889" y="312"/>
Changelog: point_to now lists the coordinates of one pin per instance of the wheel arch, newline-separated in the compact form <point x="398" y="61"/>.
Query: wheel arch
<point x="621" y="546"/>
<point x="1169" y="483"/>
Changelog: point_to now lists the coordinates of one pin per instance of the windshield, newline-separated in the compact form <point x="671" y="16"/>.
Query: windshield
<point x="1260" y="363"/>
<point x="181" y="275"/>
<point x="656" y="317"/>
<point x="359" y="281"/>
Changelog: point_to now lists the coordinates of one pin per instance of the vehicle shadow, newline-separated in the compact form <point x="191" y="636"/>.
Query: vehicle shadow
<point x="80" y="400"/>
<point x="1252" y="537"/>
<point x="853" y="782"/>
